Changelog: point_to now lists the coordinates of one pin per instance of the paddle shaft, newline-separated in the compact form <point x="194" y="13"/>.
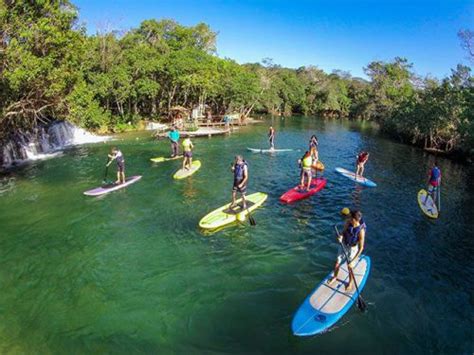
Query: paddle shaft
<point x="106" y="169"/>
<point x="360" y="302"/>
<point x="439" y="196"/>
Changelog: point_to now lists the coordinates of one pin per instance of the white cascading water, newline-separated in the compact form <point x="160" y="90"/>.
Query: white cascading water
<point x="45" y="143"/>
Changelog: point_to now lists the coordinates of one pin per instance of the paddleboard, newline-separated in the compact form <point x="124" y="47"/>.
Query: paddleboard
<point x="183" y="173"/>
<point x="162" y="159"/>
<point x="297" y="193"/>
<point x="224" y="215"/>
<point x="318" y="166"/>
<point x="112" y="187"/>
<point x="429" y="208"/>
<point x="255" y="150"/>
<point x="328" y="303"/>
<point x="359" y="179"/>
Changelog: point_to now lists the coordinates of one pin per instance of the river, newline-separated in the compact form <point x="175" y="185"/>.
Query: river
<point x="131" y="272"/>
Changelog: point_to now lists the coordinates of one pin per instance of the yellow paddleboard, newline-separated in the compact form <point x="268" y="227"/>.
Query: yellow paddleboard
<point x="224" y="215"/>
<point x="184" y="173"/>
<point x="429" y="208"/>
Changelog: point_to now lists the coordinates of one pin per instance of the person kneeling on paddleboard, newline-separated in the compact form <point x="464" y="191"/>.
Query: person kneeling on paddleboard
<point x="241" y="176"/>
<point x="173" y="136"/>
<point x="188" y="154"/>
<point x="271" y="137"/>
<point x="433" y="182"/>
<point x="306" y="162"/>
<point x="353" y="241"/>
<point x="360" y="163"/>
<point x="116" y="154"/>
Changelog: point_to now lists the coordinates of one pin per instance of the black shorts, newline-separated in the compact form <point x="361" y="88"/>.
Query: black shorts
<point x="188" y="154"/>
<point x="236" y="187"/>
<point x="120" y="167"/>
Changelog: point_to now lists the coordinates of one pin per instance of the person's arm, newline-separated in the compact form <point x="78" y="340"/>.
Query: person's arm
<point x="360" y="249"/>
<point x="112" y="157"/>
<point x="246" y="177"/>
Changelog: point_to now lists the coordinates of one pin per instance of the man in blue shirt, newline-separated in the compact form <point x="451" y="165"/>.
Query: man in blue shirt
<point x="173" y="136"/>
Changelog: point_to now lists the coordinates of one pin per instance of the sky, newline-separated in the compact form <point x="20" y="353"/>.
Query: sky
<point x="337" y="34"/>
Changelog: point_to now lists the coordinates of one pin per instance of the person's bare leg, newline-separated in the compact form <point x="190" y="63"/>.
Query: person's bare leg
<point x="336" y="272"/>
<point x="122" y="177"/>
<point x="190" y="163"/>
<point x="244" y="202"/>
<point x="350" y="284"/>
<point x="232" y="204"/>
<point x="302" y="180"/>
<point x="118" y="178"/>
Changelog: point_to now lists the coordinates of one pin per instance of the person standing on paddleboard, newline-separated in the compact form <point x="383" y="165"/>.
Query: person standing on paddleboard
<point x="116" y="154"/>
<point x="433" y="182"/>
<point x="313" y="142"/>
<point x="271" y="137"/>
<point x="173" y="136"/>
<point x="353" y="241"/>
<point x="241" y="177"/>
<point x="306" y="163"/>
<point x="188" y="153"/>
<point x="360" y="163"/>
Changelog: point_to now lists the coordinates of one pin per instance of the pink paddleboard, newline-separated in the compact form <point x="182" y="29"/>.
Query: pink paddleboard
<point x="296" y="193"/>
<point x="112" y="187"/>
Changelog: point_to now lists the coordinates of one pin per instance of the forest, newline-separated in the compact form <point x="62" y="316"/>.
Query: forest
<point x="51" y="69"/>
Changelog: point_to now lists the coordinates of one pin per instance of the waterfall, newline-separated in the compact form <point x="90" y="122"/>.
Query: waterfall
<point x="44" y="142"/>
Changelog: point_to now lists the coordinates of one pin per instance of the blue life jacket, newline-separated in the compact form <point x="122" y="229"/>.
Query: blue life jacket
<point x="239" y="171"/>
<point x="435" y="174"/>
<point x="351" y="235"/>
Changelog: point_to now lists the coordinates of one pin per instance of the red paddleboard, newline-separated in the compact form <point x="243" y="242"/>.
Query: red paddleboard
<point x="297" y="193"/>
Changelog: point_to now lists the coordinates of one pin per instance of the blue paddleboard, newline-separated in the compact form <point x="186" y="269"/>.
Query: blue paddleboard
<point x="328" y="303"/>
<point x="359" y="179"/>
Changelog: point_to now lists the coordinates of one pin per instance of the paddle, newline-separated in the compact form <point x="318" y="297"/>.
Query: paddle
<point x="251" y="219"/>
<point x="439" y="196"/>
<point x="106" y="171"/>
<point x="360" y="302"/>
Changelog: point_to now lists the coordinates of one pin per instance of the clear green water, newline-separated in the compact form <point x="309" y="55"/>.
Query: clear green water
<point x="131" y="272"/>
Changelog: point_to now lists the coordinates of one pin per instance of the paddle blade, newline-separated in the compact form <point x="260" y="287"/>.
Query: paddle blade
<point x="252" y="220"/>
<point x="361" y="304"/>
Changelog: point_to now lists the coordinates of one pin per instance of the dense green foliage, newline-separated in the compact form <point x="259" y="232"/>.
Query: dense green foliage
<point x="50" y="69"/>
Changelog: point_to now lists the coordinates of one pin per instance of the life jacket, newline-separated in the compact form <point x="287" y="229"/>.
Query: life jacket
<point x="435" y="176"/>
<point x="187" y="145"/>
<point x="307" y="162"/>
<point x="351" y="234"/>
<point x="239" y="171"/>
<point x="362" y="157"/>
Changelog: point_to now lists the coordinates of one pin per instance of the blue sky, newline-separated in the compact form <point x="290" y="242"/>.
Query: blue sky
<point x="334" y="34"/>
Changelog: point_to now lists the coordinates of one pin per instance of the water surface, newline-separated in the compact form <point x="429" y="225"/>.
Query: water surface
<point x="131" y="272"/>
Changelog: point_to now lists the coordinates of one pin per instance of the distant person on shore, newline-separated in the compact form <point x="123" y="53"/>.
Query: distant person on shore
<point x="360" y="163"/>
<point x="306" y="163"/>
<point x="116" y="154"/>
<point x="434" y="181"/>
<point x="173" y="136"/>
<point x="188" y="153"/>
<point x="353" y="241"/>
<point x="271" y="137"/>
<point x="241" y="176"/>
